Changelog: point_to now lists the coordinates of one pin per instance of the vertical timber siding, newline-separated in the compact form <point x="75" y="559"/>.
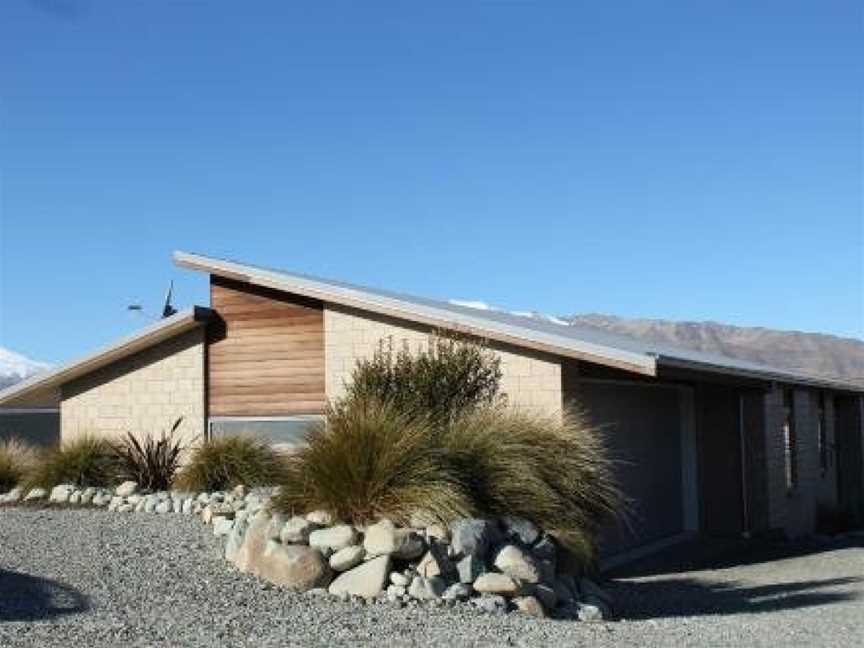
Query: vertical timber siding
<point x="144" y="393"/>
<point x="266" y="355"/>
<point x="530" y="380"/>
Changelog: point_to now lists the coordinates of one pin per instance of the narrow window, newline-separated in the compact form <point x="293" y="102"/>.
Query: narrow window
<point x="790" y="448"/>
<point x="823" y="434"/>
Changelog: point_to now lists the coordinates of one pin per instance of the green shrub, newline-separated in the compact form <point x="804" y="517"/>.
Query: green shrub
<point x="225" y="462"/>
<point x="552" y="470"/>
<point x="16" y="461"/>
<point x="451" y="375"/>
<point x="152" y="461"/>
<point x="86" y="461"/>
<point x="368" y="460"/>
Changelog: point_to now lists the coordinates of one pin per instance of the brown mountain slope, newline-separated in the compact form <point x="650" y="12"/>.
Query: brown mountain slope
<point x="813" y="353"/>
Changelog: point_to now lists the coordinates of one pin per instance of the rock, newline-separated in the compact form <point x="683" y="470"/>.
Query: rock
<point x="396" y="591"/>
<point x="384" y="538"/>
<point x="75" y="498"/>
<point x="235" y="540"/>
<point x="204" y="498"/>
<point x="87" y="495"/>
<point x="588" y="612"/>
<point x="115" y="503"/>
<point x="366" y="580"/>
<point x="436" y="563"/>
<point x="321" y="518"/>
<point x="469" y="568"/>
<point x="125" y="508"/>
<point x="15" y="494"/>
<point x="546" y="595"/>
<point x="472" y="537"/>
<point x="222" y="525"/>
<point x="100" y="500"/>
<point x="134" y="499"/>
<point x="530" y="605"/>
<point x="254" y="543"/>
<point x="457" y="592"/>
<point x="239" y="492"/>
<point x="562" y="592"/>
<point x="216" y="508"/>
<point x="150" y="503"/>
<point x="126" y="489"/>
<point x="426" y="589"/>
<point x="295" y="567"/>
<point x="401" y="580"/>
<point x="275" y="526"/>
<point x="164" y="506"/>
<point x="176" y="505"/>
<point x="493" y="604"/>
<point x="438" y="532"/>
<point x="333" y="538"/>
<point x="545" y="549"/>
<point x="139" y="507"/>
<point x="515" y="562"/>
<point x="347" y="558"/>
<point x="492" y="583"/>
<point x="297" y="530"/>
<point x="520" y="529"/>
<point x="61" y="493"/>
<point x="187" y="506"/>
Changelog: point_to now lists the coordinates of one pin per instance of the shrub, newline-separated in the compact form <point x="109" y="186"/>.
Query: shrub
<point x="16" y="460"/>
<point x="151" y="462"/>
<point x="554" y="471"/>
<point x="86" y="461"/>
<point x="225" y="462"/>
<point x="369" y="460"/>
<point x="451" y="375"/>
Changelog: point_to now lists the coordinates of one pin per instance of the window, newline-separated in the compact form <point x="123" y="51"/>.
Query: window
<point x="823" y="434"/>
<point x="282" y="432"/>
<point x="790" y="445"/>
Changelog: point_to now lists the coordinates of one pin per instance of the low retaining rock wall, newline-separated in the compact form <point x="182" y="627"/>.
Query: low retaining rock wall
<point x="495" y="565"/>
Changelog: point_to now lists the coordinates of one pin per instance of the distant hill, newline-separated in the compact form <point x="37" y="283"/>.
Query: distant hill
<point x="814" y="353"/>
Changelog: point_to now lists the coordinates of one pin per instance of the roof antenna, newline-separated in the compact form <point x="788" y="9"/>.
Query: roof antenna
<point x="168" y="310"/>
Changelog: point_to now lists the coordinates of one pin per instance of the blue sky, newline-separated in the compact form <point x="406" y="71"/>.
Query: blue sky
<point x="682" y="160"/>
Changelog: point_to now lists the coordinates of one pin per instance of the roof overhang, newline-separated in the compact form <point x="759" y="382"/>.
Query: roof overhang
<point x="49" y="382"/>
<point x="421" y="314"/>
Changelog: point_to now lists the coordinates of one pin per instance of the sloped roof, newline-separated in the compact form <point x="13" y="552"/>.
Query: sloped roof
<point x="584" y="343"/>
<point x="46" y="385"/>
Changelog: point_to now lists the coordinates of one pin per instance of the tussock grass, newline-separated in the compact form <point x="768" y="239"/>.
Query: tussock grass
<point x="368" y="460"/>
<point x="552" y="470"/>
<point x="150" y="461"/>
<point x="86" y="461"/>
<point x="225" y="462"/>
<point x="17" y="459"/>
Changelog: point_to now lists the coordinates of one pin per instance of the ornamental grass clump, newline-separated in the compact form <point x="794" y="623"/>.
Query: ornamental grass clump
<point x="17" y="459"/>
<point x="152" y="461"/>
<point x="225" y="462"/>
<point x="370" y="460"/>
<point x="553" y="470"/>
<point x="86" y="461"/>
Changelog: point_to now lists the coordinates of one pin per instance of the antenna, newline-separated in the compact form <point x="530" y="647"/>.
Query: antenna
<point x="168" y="310"/>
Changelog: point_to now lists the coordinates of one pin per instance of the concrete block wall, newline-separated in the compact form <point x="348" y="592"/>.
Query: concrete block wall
<point x="793" y="511"/>
<point x="531" y="381"/>
<point x="144" y="393"/>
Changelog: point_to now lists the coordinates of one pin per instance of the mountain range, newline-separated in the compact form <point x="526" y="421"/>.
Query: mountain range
<point x="15" y="367"/>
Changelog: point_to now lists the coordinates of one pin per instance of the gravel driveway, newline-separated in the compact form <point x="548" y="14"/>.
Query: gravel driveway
<point x="79" y="578"/>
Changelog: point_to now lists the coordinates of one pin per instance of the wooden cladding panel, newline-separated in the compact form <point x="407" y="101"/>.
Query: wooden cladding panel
<point x="266" y="354"/>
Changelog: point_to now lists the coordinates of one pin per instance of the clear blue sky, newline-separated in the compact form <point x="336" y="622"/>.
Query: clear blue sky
<point x="685" y="160"/>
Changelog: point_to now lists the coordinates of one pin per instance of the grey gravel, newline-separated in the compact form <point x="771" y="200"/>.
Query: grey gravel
<point x="91" y="578"/>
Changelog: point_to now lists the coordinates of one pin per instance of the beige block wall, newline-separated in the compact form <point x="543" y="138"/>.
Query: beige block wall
<point x="144" y="393"/>
<point x="531" y="381"/>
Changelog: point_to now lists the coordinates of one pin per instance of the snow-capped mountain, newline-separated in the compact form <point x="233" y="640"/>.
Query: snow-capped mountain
<point x="15" y="367"/>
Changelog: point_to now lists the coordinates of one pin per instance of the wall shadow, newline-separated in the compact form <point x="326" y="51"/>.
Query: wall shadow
<point x="32" y="598"/>
<point x="680" y="596"/>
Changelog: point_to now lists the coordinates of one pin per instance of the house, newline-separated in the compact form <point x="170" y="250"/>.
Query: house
<point x="707" y="444"/>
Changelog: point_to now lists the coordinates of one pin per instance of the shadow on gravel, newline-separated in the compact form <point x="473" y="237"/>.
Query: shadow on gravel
<point x="30" y="598"/>
<point x="678" y="596"/>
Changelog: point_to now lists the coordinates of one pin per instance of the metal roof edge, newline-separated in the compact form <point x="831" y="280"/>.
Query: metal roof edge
<point x="164" y="329"/>
<point x="428" y="315"/>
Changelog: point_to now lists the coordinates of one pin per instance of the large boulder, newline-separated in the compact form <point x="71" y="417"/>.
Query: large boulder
<point x="515" y="562"/>
<point x="472" y="537"/>
<point x="295" y="567"/>
<point x="385" y="538"/>
<point x="253" y="544"/>
<point x="366" y="580"/>
<point x="334" y="538"/>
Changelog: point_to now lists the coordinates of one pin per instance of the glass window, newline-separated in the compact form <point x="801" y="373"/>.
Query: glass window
<point x="790" y="445"/>
<point x="283" y="433"/>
